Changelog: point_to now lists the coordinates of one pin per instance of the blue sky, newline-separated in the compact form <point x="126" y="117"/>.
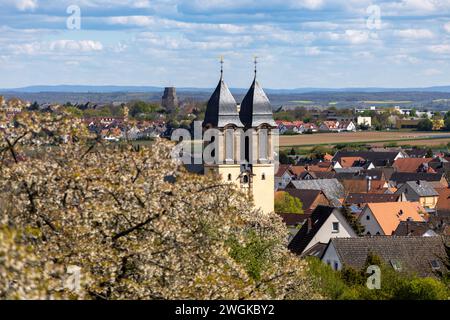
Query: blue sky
<point x="300" y="43"/>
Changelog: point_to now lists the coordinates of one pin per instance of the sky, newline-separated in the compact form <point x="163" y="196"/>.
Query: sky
<point x="299" y="43"/>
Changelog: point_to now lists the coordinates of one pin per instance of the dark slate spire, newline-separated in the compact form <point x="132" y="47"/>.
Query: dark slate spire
<point x="256" y="108"/>
<point x="222" y="108"/>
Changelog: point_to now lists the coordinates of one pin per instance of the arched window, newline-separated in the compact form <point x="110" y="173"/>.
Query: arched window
<point x="245" y="179"/>
<point x="263" y="177"/>
<point x="229" y="177"/>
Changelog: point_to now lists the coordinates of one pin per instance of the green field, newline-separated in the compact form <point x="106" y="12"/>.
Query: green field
<point x="386" y="102"/>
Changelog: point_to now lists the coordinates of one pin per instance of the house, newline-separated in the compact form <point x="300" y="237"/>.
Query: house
<point x="332" y="188"/>
<point x="420" y="191"/>
<point x="347" y="162"/>
<point x="329" y="126"/>
<point x="324" y="224"/>
<point x="364" y="121"/>
<point x="383" y="218"/>
<point x="415" y="229"/>
<point x="310" y="127"/>
<point x="443" y="203"/>
<point x="283" y="176"/>
<point x="310" y="199"/>
<point x="293" y="222"/>
<point x="328" y="157"/>
<point x="362" y="184"/>
<point x="413" y="165"/>
<point x="311" y="175"/>
<point x="361" y="199"/>
<point x="293" y="126"/>
<point x="378" y="159"/>
<point x="401" y="253"/>
<point x="399" y="178"/>
<point x="346" y="126"/>
<point x="416" y="153"/>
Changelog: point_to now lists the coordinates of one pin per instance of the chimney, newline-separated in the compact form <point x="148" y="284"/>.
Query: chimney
<point x="309" y="222"/>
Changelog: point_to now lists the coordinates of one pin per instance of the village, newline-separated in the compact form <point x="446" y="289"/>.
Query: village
<point x="392" y="202"/>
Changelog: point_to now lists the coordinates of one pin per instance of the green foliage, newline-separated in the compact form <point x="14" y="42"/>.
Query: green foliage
<point x="74" y="111"/>
<point x="284" y="159"/>
<point x="285" y="203"/>
<point x="423" y="289"/>
<point x="318" y="152"/>
<point x="353" y="221"/>
<point x="425" y="125"/>
<point x="253" y="254"/>
<point x="350" y="284"/>
<point x="447" y="121"/>
<point x="141" y="108"/>
<point x="327" y="281"/>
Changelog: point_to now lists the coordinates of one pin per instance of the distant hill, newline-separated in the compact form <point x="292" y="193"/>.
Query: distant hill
<point x="154" y="89"/>
<point x="432" y="98"/>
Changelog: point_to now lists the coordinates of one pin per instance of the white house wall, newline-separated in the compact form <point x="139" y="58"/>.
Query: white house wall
<point x="326" y="231"/>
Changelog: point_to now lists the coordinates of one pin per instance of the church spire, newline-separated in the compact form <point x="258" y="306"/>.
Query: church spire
<point x="222" y="108"/>
<point x="256" y="109"/>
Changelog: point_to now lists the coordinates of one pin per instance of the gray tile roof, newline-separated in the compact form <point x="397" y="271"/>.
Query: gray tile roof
<point x="222" y="108"/>
<point x="380" y="159"/>
<point x="256" y="109"/>
<point x="361" y="198"/>
<point x="412" y="228"/>
<point x="305" y="235"/>
<point x="332" y="188"/>
<point x="413" y="253"/>
<point x="422" y="188"/>
<point x="402" y="177"/>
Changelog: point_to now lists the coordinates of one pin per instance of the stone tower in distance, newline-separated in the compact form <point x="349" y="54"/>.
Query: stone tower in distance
<point x="169" y="100"/>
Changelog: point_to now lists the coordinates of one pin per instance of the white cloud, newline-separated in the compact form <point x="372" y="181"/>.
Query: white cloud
<point x="414" y="34"/>
<point x="61" y="46"/>
<point x="24" y="5"/>
<point x="447" y="27"/>
<point x="312" y="51"/>
<point x="402" y="58"/>
<point x="357" y="36"/>
<point x="432" y="72"/>
<point x="440" y="48"/>
<point x="72" y="45"/>
<point x="308" y="4"/>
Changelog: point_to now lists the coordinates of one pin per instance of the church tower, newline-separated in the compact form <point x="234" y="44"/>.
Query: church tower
<point x="244" y="141"/>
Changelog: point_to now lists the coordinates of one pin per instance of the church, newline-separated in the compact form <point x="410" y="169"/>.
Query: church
<point x="246" y="136"/>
